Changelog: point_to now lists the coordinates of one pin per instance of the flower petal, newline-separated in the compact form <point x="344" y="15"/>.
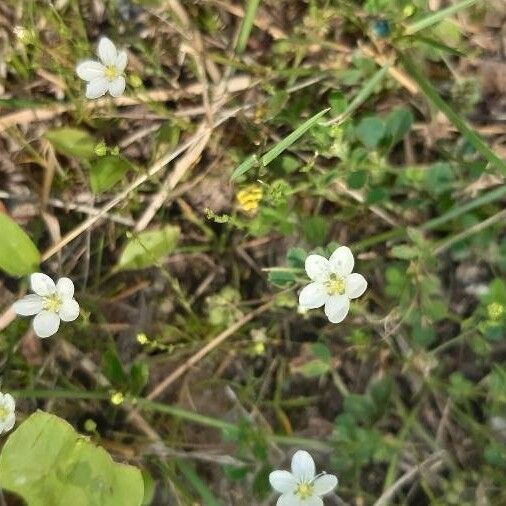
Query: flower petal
<point x="317" y="267"/>
<point x="303" y="467"/>
<point x="42" y="284"/>
<point x="46" y="323"/>
<point x="325" y="484"/>
<point x="29" y="305"/>
<point x="121" y="61"/>
<point x="9" y="422"/>
<point x="89" y="70"/>
<point x="341" y="261"/>
<point x="290" y="500"/>
<point x="313" y="295"/>
<point x="107" y="51"/>
<point x="65" y="288"/>
<point x="69" y="310"/>
<point x="356" y="285"/>
<point x="117" y="87"/>
<point x="337" y="307"/>
<point x="312" y="501"/>
<point x="97" y="88"/>
<point x="8" y="402"/>
<point x="282" y="481"/>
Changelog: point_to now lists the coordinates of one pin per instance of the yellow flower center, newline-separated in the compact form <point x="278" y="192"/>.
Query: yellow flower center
<point x="4" y="413"/>
<point x="304" y="490"/>
<point x="335" y="285"/>
<point x="52" y="303"/>
<point x="111" y="72"/>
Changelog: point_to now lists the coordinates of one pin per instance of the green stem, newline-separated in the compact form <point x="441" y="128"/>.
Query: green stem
<point x="183" y="414"/>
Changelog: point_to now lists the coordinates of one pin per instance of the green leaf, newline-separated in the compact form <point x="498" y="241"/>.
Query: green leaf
<point x="18" y="254"/>
<point x="46" y="462"/>
<point x="370" y="131"/>
<point x="72" y="142"/>
<point x="313" y="369"/>
<point x="296" y="257"/>
<point x="398" y="124"/>
<point x="106" y="171"/>
<point x="147" y="248"/>
<point x="405" y="252"/>
<point x="281" y="278"/>
<point x="356" y="179"/>
<point x="112" y="368"/>
<point x="338" y="102"/>
<point x="437" y="16"/>
<point x="315" y="229"/>
<point x="361" y="407"/>
<point x="279" y="147"/>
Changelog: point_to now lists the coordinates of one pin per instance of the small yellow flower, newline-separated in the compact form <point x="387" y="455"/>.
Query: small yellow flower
<point x="117" y="398"/>
<point x="249" y="198"/>
<point x="495" y="311"/>
<point x="142" y="338"/>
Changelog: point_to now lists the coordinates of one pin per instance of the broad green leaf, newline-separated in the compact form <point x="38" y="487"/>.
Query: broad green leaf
<point x="18" y="254"/>
<point x="398" y="123"/>
<point x="147" y="248"/>
<point x="72" y="142"/>
<point x="106" y="171"/>
<point x="47" y="463"/>
<point x="370" y="131"/>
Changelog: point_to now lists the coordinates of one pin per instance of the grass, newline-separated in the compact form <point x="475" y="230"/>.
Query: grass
<point x="336" y="122"/>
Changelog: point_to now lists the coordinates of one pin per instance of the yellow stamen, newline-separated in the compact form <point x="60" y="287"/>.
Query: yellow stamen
<point x="52" y="303"/>
<point x="304" y="490"/>
<point x="335" y="285"/>
<point x="4" y="413"/>
<point x="111" y="72"/>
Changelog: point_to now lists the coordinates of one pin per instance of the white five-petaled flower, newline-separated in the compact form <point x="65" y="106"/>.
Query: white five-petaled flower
<point x="50" y="303"/>
<point x="7" y="416"/>
<point x="333" y="284"/>
<point x="301" y="487"/>
<point x="106" y="75"/>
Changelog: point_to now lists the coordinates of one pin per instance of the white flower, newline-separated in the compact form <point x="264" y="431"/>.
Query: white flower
<point x="50" y="303"/>
<point x="333" y="284"/>
<point x="106" y="76"/>
<point x="7" y="416"/>
<point x="301" y="487"/>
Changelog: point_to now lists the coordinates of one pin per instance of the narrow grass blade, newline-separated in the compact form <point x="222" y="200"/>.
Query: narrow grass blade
<point x="247" y="25"/>
<point x="279" y="147"/>
<point x="199" y="486"/>
<point x="471" y="136"/>
<point x="250" y="162"/>
<point x="438" y="16"/>
<point x="290" y="139"/>
<point x="362" y="95"/>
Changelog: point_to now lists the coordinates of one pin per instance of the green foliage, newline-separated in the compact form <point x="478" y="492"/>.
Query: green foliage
<point x="18" y="255"/>
<point x="46" y="462"/>
<point x="72" y="142"/>
<point x="148" y="248"/>
<point x="107" y="171"/>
